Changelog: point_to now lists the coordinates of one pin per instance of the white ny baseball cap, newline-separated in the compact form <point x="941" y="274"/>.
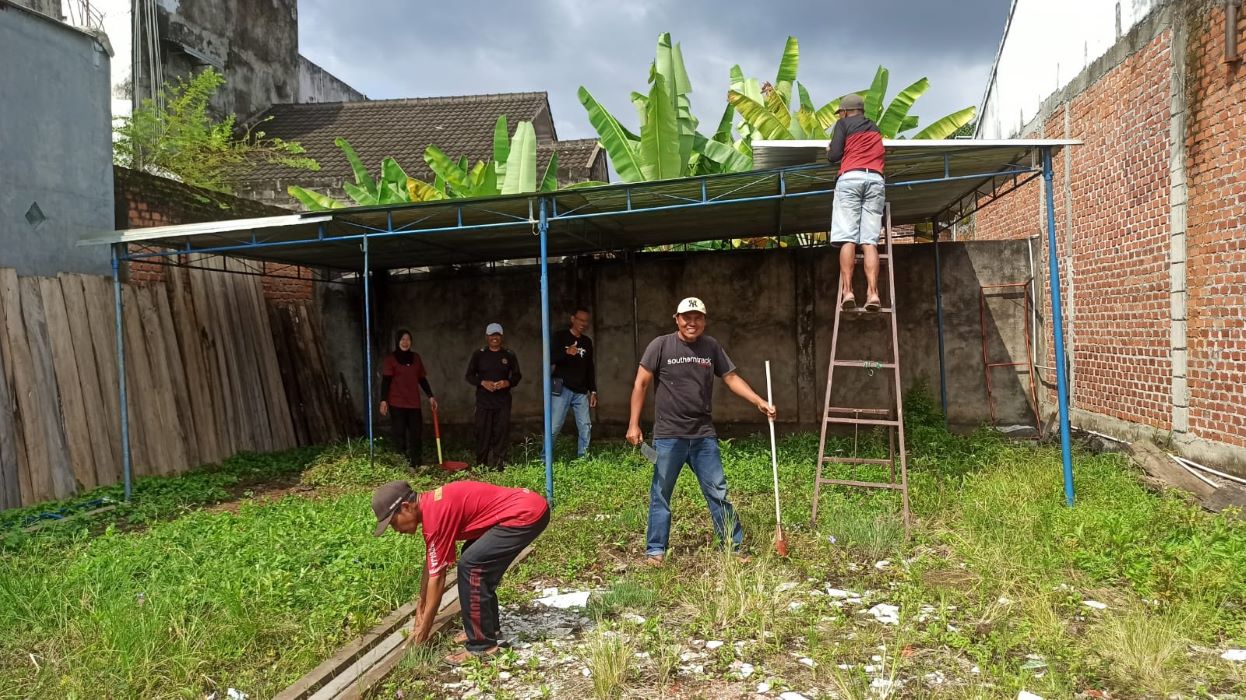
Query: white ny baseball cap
<point x="494" y="328"/>
<point x="690" y="304"/>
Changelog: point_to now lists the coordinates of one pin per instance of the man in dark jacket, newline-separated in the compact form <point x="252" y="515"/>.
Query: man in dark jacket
<point x="493" y="370"/>
<point x="857" y="218"/>
<point x="574" y="378"/>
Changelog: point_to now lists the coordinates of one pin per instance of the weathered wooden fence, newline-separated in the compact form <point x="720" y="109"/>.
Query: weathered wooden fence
<point x="211" y="370"/>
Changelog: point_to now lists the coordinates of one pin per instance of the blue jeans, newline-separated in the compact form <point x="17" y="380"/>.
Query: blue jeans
<point x="568" y="399"/>
<point x="703" y="456"/>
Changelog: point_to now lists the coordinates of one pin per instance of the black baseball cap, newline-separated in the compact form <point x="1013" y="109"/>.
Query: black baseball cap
<point x="385" y="502"/>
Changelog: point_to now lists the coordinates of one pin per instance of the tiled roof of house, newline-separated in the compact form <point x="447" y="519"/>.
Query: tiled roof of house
<point x="459" y="126"/>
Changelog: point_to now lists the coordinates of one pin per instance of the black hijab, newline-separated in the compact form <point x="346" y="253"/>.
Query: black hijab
<point x="404" y="357"/>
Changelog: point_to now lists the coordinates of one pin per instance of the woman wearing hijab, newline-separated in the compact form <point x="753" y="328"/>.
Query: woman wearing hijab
<point x="402" y="377"/>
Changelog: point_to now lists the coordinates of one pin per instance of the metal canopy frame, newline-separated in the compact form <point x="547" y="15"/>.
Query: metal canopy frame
<point x="935" y="182"/>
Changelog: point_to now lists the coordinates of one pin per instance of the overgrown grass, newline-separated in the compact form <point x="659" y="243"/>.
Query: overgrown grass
<point x="174" y="600"/>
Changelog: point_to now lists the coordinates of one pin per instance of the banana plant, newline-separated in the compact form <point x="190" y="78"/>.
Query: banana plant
<point x="511" y="170"/>
<point x="668" y="144"/>
<point x="767" y="110"/>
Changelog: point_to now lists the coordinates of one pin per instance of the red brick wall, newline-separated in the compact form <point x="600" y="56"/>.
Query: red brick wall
<point x="1121" y="233"/>
<point x="1216" y="230"/>
<point x="144" y="200"/>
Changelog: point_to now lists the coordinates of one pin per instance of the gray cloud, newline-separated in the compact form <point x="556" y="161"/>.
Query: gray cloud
<point x="403" y="49"/>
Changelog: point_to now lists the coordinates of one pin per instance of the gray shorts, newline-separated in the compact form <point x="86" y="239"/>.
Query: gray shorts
<point x="857" y="216"/>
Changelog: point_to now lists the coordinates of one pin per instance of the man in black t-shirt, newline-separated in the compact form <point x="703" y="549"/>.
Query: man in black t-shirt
<point x="575" y="378"/>
<point x="493" y="370"/>
<point x="685" y="364"/>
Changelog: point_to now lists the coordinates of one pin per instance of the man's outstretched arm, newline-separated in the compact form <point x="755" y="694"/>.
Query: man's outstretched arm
<point x="740" y="388"/>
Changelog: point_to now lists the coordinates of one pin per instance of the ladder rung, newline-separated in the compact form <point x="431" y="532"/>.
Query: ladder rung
<point x="860" y="421"/>
<point x="863" y="363"/>
<point x="1008" y="364"/>
<point x="860" y="310"/>
<point x="856" y="460"/>
<point x="867" y="411"/>
<point x="864" y="484"/>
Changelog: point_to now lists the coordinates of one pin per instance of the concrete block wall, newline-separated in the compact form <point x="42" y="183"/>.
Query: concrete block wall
<point x="772" y="305"/>
<point x="1155" y="206"/>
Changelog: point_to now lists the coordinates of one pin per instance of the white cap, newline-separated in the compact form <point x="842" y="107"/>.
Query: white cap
<point x="494" y="328"/>
<point x="690" y="304"/>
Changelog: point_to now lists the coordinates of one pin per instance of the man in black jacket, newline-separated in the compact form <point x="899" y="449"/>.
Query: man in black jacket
<point x="574" y="378"/>
<point x="493" y="370"/>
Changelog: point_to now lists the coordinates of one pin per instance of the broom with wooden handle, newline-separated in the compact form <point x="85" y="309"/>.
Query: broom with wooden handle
<point x="780" y="541"/>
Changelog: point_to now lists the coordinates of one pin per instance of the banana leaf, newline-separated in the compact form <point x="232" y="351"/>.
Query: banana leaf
<point x="803" y="94"/>
<point x="586" y="184"/>
<point x="659" y="142"/>
<point x="393" y="175"/>
<point x="314" y="201"/>
<point x="808" y="123"/>
<point x="422" y="191"/>
<point x="910" y="122"/>
<point x="447" y="170"/>
<point x="640" y="102"/>
<point x="620" y="145"/>
<point x="893" y="118"/>
<point x="736" y="78"/>
<point x="757" y="116"/>
<point x="731" y="160"/>
<point x="945" y="127"/>
<point x="362" y="195"/>
<point x="362" y="177"/>
<point x="788" y="63"/>
<point x="501" y="147"/>
<point x="777" y="106"/>
<point x="521" y="166"/>
<point x="723" y="133"/>
<point x="549" y="182"/>
<point x="875" y="95"/>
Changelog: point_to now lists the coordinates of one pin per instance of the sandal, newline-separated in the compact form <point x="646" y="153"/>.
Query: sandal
<point x="654" y="560"/>
<point x="849" y="303"/>
<point x="873" y="305"/>
<point x="462" y="657"/>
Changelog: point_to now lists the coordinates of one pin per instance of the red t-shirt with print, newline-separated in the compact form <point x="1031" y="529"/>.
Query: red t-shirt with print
<point x="465" y="510"/>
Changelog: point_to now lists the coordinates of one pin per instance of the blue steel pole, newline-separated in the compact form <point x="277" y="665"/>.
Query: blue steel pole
<point x="543" y="230"/>
<point x="367" y="347"/>
<point x="1057" y="324"/>
<point x="939" y="314"/>
<point x="125" y="414"/>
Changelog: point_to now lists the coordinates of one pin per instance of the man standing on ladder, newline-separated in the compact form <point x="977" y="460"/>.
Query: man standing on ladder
<point x="857" y="217"/>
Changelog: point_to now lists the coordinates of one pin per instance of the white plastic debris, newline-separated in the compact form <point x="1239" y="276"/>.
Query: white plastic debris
<point x="806" y="661"/>
<point x="882" y="685"/>
<point x="936" y="678"/>
<point x="713" y="644"/>
<point x="785" y="587"/>
<point x="975" y="670"/>
<point x="763" y="687"/>
<point x="1095" y="604"/>
<point x="880" y="565"/>
<point x="585" y="672"/>
<point x="1027" y="695"/>
<point x="563" y="601"/>
<point x="876" y="657"/>
<point x="1004" y="600"/>
<point x="838" y="593"/>
<point x="504" y="675"/>
<point x="792" y="695"/>
<point x="795" y="605"/>
<point x="1237" y="655"/>
<point x="744" y="670"/>
<point x="634" y="618"/>
<point x="844" y="667"/>
<point x="233" y="694"/>
<point x="886" y="614"/>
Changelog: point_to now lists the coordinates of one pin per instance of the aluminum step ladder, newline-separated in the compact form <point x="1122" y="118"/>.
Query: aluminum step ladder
<point x="891" y="417"/>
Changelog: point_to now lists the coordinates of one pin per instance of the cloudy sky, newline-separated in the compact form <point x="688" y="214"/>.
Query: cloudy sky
<point x="397" y="48"/>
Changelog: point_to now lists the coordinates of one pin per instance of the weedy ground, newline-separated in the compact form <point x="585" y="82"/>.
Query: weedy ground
<point x="247" y="574"/>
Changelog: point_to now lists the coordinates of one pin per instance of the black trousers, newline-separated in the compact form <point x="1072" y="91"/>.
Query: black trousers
<point x="480" y="571"/>
<point x="493" y="432"/>
<point x="407" y="429"/>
